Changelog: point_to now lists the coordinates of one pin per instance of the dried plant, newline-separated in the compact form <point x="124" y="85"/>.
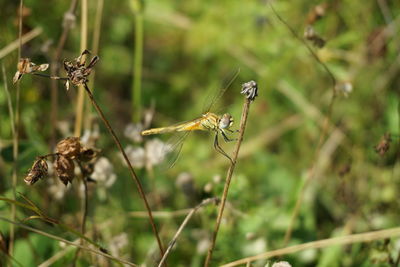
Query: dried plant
<point x="384" y="144"/>
<point x="38" y="171"/>
<point x="25" y="66"/>
<point x="311" y="35"/>
<point x="67" y="150"/>
<point x="77" y="71"/>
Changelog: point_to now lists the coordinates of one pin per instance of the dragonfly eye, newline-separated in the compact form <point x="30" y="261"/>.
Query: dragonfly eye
<point x="226" y="121"/>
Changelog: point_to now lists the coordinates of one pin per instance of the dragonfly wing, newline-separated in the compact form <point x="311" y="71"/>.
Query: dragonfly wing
<point x="215" y="94"/>
<point x="173" y="149"/>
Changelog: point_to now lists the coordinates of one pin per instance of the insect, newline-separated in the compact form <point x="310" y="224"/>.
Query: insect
<point x="208" y="121"/>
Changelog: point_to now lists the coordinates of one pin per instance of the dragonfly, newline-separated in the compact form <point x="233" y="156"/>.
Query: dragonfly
<point x="218" y="124"/>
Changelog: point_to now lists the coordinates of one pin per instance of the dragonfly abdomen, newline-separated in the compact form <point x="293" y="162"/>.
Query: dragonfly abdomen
<point x="187" y="126"/>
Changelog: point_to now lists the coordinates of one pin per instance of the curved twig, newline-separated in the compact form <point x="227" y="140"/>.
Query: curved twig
<point x="185" y="221"/>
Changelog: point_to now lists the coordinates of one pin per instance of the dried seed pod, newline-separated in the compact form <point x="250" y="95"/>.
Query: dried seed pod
<point x="311" y="35"/>
<point x="69" y="147"/>
<point x="64" y="168"/>
<point x="316" y="13"/>
<point x="25" y="66"/>
<point x="384" y="144"/>
<point x="250" y="90"/>
<point x="87" y="154"/>
<point x="38" y="171"/>
<point x="76" y="70"/>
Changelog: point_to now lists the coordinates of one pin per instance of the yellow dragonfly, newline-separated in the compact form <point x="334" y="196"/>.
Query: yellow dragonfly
<point x="208" y="121"/>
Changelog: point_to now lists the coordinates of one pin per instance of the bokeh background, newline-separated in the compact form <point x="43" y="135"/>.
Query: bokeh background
<point x="189" y="51"/>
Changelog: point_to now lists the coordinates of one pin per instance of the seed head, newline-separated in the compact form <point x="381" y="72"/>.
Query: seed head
<point x="25" y="66"/>
<point x="250" y="90"/>
<point x="38" y="171"/>
<point x="87" y="154"/>
<point x="64" y="168"/>
<point x="69" y="147"/>
<point x="77" y="71"/>
<point x="384" y="144"/>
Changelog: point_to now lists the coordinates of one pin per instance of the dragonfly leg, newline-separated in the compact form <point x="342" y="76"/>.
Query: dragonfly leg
<point x="232" y="131"/>
<point x="226" y="138"/>
<point x="219" y="149"/>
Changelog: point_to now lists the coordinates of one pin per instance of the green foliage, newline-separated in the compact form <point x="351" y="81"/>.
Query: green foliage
<point x="189" y="48"/>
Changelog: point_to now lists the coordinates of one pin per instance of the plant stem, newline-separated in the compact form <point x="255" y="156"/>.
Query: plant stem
<point x="80" y="98"/>
<point x="325" y="128"/>
<point x="84" y="208"/>
<point x="137" y="65"/>
<point x="95" y="51"/>
<point x="185" y="221"/>
<point x="335" y="241"/>
<point x="54" y="71"/>
<point x="132" y="171"/>
<point x="243" y="120"/>
<point x="92" y="250"/>
<point x="16" y="138"/>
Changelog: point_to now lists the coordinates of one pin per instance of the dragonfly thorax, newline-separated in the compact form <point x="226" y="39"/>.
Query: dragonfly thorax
<point x="225" y="121"/>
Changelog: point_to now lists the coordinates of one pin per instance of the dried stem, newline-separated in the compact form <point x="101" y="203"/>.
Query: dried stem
<point x="132" y="171"/>
<point x="84" y="207"/>
<point x="184" y="223"/>
<point x="342" y="240"/>
<point x="80" y="98"/>
<point x="92" y="250"/>
<point x="16" y="138"/>
<point x="95" y="50"/>
<point x="54" y="69"/>
<point x="24" y="39"/>
<point x="243" y="120"/>
<point x="325" y="128"/>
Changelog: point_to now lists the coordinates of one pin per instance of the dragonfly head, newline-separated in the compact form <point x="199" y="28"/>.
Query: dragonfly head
<point x="226" y="121"/>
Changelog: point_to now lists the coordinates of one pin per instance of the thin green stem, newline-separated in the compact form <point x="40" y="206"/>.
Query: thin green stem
<point x="16" y="137"/>
<point x="137" y="64"/>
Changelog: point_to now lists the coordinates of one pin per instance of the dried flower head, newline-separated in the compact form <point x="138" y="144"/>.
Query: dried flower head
<point x="87" y="154"/>
<point x="77" y="71"/>
<point x="250" y="90"/>
<point x="384" y="144"/>
<point x="25" y="66"/>
<point x="38" y="171"/>
<point x="311" y="35"/>
<point x="316" y="13"/>
<point x="344" y="88"/>
<point x="69" y="147"/>
<point x="64" y="168"/>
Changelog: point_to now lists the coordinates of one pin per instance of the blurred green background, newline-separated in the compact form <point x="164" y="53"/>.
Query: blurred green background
<point x="190" y="48"/>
